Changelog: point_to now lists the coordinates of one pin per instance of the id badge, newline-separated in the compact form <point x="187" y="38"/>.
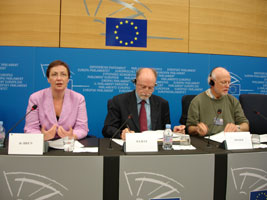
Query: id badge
<point x="218" y="121"/>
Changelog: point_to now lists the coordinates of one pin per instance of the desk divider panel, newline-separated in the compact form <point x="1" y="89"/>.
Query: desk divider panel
<point x="246" y="177"/>
<point x="50" y="177"/>
<point x="173" y="177"/>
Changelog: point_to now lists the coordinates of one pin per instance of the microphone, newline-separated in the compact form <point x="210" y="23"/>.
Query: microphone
<point x="219" y="111"/>
<point x="32" y="109"/>
<point x="116" y="132"/>
<point x="261" y="115"/>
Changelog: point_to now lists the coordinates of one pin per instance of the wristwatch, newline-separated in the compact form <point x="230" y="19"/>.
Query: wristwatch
<point x="238" y="127"/>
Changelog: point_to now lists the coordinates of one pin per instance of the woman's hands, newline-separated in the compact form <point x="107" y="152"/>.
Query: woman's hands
<point x="50" y="134"/>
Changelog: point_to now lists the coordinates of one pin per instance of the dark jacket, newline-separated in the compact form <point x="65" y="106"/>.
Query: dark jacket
<point x="122" y="105"/>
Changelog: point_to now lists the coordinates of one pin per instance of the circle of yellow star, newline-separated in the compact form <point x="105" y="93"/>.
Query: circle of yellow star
<point x="116" y="32"/>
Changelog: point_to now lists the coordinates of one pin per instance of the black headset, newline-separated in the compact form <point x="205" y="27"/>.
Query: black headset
<point x="211" y="81"/>
<point x="134" y="81"/>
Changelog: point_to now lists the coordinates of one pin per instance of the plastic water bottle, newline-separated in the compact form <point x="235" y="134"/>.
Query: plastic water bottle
<point x="2" y="134"/>
<point x="167" y="138"/>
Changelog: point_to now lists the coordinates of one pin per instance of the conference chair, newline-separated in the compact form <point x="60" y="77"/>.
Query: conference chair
<point x="255" y="109"/>
<point x="109" y="103"/>
<point x="186" y="100"/>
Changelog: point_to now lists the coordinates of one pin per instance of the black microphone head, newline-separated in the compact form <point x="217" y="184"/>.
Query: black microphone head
<point x="219" y="111"/>
<point x="260" y="114"/>
<point x="256" y="112"/>
<point x="34" y="107"/>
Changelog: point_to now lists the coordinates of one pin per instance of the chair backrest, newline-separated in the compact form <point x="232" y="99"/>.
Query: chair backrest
<point x="109" y="103"/>
<point x="255" y="109"/>
<point x="186" y="100"/>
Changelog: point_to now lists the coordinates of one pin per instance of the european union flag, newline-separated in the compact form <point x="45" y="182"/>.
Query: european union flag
<point x="126" y="32"/>
<point x="258" y="195"/>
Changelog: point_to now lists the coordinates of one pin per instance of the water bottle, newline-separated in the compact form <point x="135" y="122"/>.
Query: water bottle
<point x="167" y="138"/>
<point x="2" y="134"/>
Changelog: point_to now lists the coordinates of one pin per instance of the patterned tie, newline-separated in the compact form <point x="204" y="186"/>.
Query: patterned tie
<point x="142" y="117"/>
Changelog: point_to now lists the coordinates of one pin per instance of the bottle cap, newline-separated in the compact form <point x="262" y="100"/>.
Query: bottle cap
<point x="168" y="126"/>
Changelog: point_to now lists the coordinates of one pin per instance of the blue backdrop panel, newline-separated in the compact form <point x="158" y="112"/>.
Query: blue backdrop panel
<point x="248" y="74"/>
<point x="16" y="83"/>
<point x="101" y="74"/>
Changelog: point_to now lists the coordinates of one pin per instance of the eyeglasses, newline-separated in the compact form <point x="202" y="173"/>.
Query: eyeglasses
<point x="144" y="87"/>
<point x="224" y="83"/>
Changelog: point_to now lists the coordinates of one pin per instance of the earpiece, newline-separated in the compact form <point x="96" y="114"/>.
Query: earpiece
<point x="134" y="81"/>
<point x="210" y="78"/>
<point x="211" y="82"/>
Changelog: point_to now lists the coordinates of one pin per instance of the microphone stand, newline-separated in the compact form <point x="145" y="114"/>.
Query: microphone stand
<point x="208" y="144"/>
<point x="7" y="133"/>
<point x="261" y="115"/>
<point x="116" y="132"/>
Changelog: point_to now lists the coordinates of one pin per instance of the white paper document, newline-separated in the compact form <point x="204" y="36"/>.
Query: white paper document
<point x="118" y="141"/>
<point x="263" y="138"/>
<point x="183" y="147"/>
<point x="58" y="144"/>
<point x="259" y="146"/>
<point x="159" y="134"/>
<point x="85" y="149"/>
<point x="219" y="137"/>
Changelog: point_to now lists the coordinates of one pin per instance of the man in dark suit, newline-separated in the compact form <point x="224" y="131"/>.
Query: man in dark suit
<point x="122" y="106"/>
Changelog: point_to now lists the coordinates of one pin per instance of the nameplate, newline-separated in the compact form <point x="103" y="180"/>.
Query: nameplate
<point x="140" y="142"/>
<point x="238" y="140"/>
<point x="26" y="144"/>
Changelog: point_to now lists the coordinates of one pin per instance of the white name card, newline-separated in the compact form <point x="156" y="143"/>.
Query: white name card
<point x="140" y="142"/>
<point x="29" y="144"/>
<point x="238" y="140"/>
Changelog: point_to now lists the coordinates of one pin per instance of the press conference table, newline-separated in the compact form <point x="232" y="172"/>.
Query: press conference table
<point x="209" y="172"/>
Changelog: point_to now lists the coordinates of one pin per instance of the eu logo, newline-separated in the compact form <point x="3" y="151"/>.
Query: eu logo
<point x="258" y="195"/>
<point x="126" y="32"/>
